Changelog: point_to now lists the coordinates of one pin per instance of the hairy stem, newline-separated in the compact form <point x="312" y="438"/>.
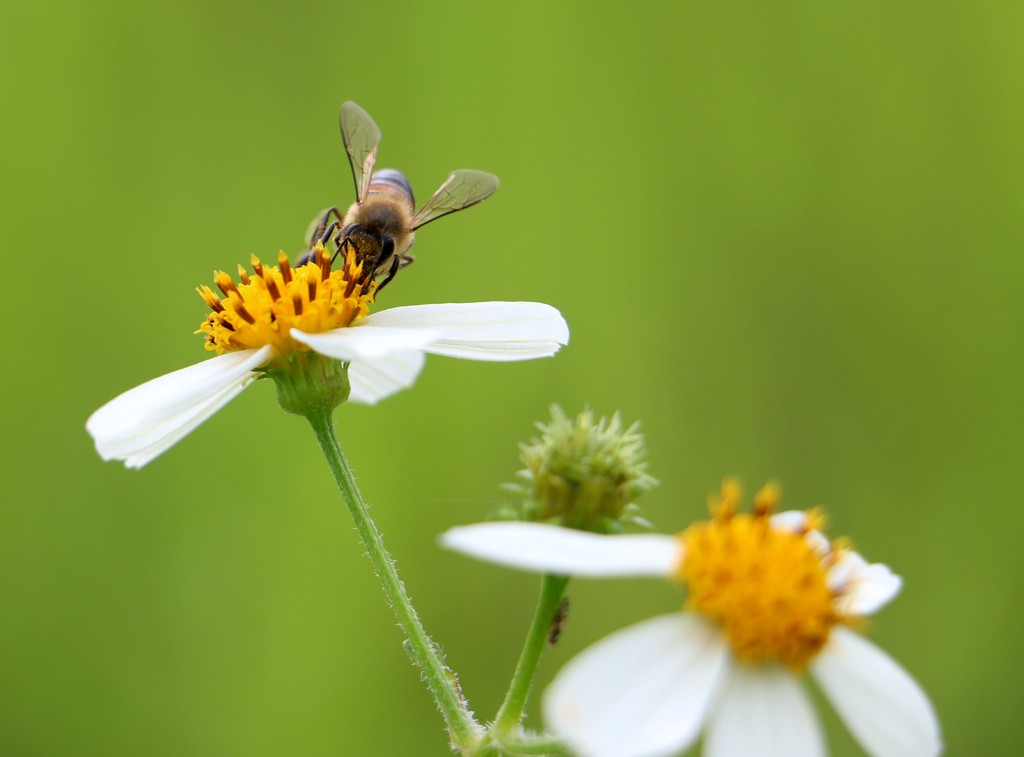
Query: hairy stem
<point x="465" y="732"/>
<point x="548" y="604"/>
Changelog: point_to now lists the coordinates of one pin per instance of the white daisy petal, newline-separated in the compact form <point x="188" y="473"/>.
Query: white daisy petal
<point x="864" y="588"/>
<point x="790" y="520"/>
<point x="138" y="452"/>
<point x="498" y="331"/>
<point x="373" y="381"/>
<point x="145" y="421"/>
<point x="367" y="342"/>
<point x="884" y="708"/>
<point x="565" y="551"/>
<point x="644" y="691"/>
<point x="763" y="710"/>
<point x="797" y="521"/>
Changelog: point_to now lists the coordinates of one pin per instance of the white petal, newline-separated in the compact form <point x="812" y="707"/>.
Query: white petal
<point x="797" y="521"/>
<point x="565" y="551"/>
<point x="865" y="588"/>
<point x="883" y="707"/>
<point x="483" y="330"/>
<point x="145" y="421"/>
<point x="373" y="381"/>
<point x="367" y="342"/>
<point x="644" y="691"/>
<point x="137" y="452"/>
<point x="763" y="711"/>
<point x="790" y="520"/>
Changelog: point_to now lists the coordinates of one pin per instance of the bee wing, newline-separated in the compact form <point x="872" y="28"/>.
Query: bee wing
<point x="361" y="137"/>
<point x="462" y="190"/>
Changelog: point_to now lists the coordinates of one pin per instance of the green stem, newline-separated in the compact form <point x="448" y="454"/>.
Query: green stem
<point x="463" y="729"/>
<point x="511" y="712"/>
<point x="524" y="745"/>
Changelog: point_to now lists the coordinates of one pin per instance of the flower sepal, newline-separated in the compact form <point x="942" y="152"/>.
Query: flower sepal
<point x="308" y="382"/>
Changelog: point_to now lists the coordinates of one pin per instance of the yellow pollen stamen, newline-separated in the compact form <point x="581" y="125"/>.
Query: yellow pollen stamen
<point x="244" y="314"/>
<point x="767" y="499"/>
<point x="816" y="519"/>
<point x="765" y="587"/>
<point x="728" y="501"/>
<point x="212" y="300"/>
<point x="275" y="293"/>
<point x="224" y="283"/>
<point x="263" y="308"/>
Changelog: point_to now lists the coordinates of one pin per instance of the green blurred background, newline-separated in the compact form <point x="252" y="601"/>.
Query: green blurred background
<point x="786" y="236"/>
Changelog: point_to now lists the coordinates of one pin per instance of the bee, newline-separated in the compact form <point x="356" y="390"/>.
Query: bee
<point x="381" y="224"/>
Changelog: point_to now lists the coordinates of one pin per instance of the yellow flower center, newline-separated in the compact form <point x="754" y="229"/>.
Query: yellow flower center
<point x="766" y="587"/>
<point x="263" y="308"/>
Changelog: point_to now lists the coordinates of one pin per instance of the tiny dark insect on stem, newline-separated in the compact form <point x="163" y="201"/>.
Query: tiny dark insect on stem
<point x="558" y="622"/>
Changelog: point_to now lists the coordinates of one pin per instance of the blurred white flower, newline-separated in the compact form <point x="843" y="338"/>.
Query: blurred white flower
<point x="768" y="598"/>
<point x="278" y="314"/>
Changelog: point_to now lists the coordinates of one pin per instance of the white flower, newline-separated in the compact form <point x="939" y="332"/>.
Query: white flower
<point x="385" y="350"/>
<point x="728" y="668"/>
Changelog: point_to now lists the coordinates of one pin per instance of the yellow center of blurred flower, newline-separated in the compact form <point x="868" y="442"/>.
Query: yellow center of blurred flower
<point x="263" y="308"/>
<point x="764" y="586"/>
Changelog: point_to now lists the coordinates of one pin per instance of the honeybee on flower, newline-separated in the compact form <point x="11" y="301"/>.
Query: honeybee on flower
<point x="311" y="329"/>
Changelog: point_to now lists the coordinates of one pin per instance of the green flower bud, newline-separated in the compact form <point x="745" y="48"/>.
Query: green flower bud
<point x="583" y="473"/>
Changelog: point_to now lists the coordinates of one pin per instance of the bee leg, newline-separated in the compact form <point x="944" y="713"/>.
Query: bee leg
<point x="319" y="227"/>
<point x="306" y="257"/>
<point x="396" y="263"/>
<point x="319" y="231"/>
<point x="342" y="241"/>
<point x="322" y="239"/>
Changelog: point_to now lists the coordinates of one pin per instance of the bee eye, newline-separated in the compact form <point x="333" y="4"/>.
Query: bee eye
<point x="387" y="248"/>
